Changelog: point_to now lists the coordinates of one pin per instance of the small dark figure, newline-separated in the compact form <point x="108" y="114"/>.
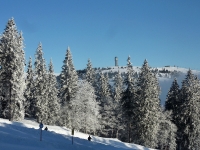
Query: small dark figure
<point x="46" y="129"/>
<point x="89" y="138"/>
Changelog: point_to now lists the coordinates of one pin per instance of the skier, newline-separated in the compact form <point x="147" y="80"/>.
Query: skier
<point x="46" y="129"/>
<point x="89" y="138"/>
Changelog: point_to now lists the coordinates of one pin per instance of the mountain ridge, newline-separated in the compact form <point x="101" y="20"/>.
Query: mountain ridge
<point x="165" y="75"/>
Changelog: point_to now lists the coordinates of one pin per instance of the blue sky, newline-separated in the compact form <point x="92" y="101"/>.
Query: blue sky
<point x="165" y="32"/>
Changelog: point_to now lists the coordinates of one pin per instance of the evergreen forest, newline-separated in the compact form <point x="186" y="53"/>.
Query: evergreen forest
<point x="128" y="109"/>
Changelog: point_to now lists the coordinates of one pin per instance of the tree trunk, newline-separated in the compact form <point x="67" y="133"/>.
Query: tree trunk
<point x="10" y="118"/>
<point x="117" y="134"/>
<point x="129" y="132"/>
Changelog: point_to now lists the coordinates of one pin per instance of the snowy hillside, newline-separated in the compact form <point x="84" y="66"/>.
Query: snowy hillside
<point x="25" y="135"/>
<point x="165" y="76"/>
<point x="166" y="80"/>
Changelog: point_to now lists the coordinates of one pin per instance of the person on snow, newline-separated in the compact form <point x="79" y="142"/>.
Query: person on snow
<point x="89" y="138"/>
<point x="46" y="129"/>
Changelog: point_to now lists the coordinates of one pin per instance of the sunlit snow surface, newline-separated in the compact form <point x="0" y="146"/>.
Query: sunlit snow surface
<point x="25" y="135"/>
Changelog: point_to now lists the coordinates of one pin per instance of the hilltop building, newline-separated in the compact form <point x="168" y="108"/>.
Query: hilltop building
<point x="116" y="61"/>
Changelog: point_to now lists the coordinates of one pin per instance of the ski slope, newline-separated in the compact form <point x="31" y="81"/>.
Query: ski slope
<point x="25" y="135"/>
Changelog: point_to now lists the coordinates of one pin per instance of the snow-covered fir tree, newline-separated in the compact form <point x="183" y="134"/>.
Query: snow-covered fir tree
<point x="68" y="79"/>
<point x="68" y="87"/>
<point x="90" y="74"/>
<point x="29" y="90"/>
<point x="107" y="121"/>
<point x="12" y="63"/>
<point x="146" y="109"/>
<point x="127" y="103"/>
<point x="127" y="111"/>
<point x="172" y="102"/>
<point x="118" y="86"/>
<point x="189" y="127"/>
<point x="130" y="70"/>
<point x="104" y="87"/>
<point x="52" y="97"/>
<point x="84" y="109"/>
<point x="118" y="89"/>
<point x="40" y="96"/>
<point x="167" y="132"/>
<point x="129" y="74"/>
<point x="129" y="64"/>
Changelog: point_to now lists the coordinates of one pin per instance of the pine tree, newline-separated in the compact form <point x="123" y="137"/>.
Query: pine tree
<point x="189" y="126"/>
<point x="68" y="78"/>
<point x="172" y="102"/>
<point x="146" y="109"/>
<point x="130" y="70"/>
<point x="52" y="97"/>
<point x="127" y="100"/>
<point x="29" y="90"/>
<point x="129" y="80"/>
<point x="106" y="107"/>
<point x="12" y="72"/>
<point x="127" y="104"/>
<point x="118" y="89"/>
<point x="40" y="95"/>
<point x="68" y="87"/>
<point x="90" y="74"/>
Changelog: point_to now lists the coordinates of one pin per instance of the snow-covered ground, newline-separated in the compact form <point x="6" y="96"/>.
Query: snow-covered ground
<point x="25" y="135"/>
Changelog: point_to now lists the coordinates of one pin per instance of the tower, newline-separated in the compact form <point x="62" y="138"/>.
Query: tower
<point x="116" y="61"/>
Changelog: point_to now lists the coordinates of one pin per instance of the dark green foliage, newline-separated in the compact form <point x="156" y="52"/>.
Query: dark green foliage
<point x="173" y="101"/>
<point x="127" y="101"/>
<point x="189" y="119"/>
<point x="29" y="91"/>
<point x="147" y="108"/>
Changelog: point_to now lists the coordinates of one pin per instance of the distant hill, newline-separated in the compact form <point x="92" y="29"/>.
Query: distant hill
<point x="165" y="75"/>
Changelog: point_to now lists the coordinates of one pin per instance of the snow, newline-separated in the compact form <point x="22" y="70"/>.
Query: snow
<point x="165" y="81"/>
<point x="25" y="135"/>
